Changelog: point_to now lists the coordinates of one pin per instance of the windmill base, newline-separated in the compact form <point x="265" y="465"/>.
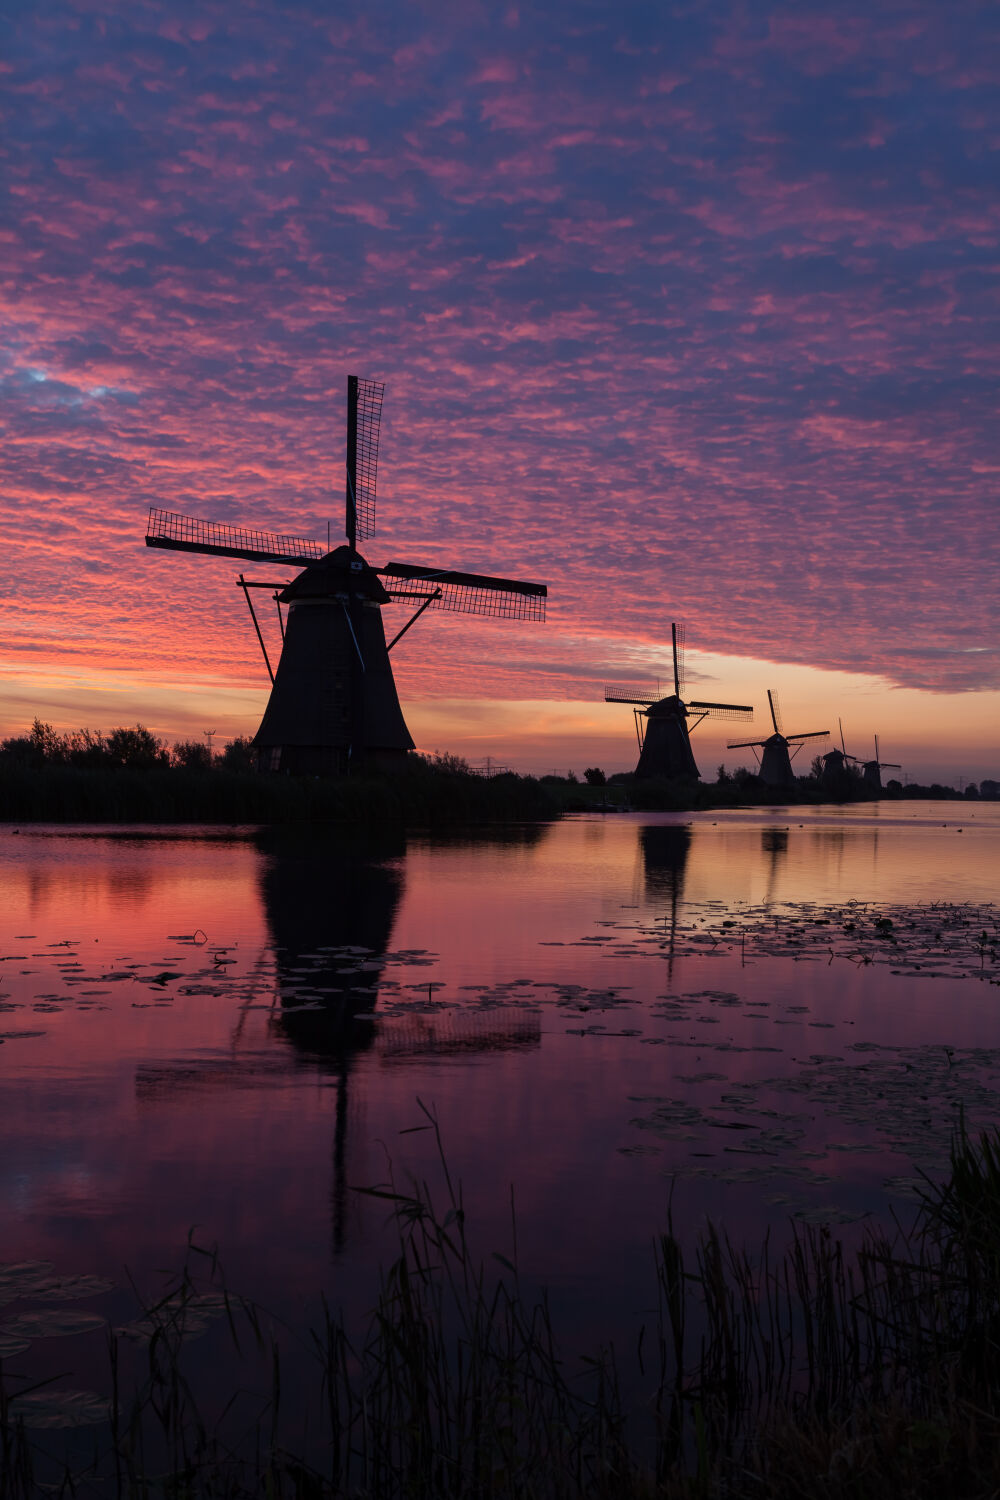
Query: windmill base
<point x="326" y="760"/>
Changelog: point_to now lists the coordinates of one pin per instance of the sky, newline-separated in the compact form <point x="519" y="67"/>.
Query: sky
<point x="689" y="311"/>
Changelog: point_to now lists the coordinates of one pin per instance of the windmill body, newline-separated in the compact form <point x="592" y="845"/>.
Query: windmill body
<point x="834" y="769"/>
<point x="323" y="701"/>
<point x="776" y="763"/>
<point x="666" y="743"/>
<point x="871" y="770"/>
<point x="663" y="723"/>
<point x="778" y="750"/>
<point x="837" y="777"/>
<point x="333" y="704"/>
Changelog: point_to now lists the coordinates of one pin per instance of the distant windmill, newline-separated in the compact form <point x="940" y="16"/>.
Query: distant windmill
<point x="872" y="769"/>
<point x="836" y="776"/>
<point x="775" y="761"/>
<point x="664" y="738"/>
<point x="333" y="702"/>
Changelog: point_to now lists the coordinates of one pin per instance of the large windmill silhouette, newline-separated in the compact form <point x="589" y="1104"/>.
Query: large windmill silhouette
<point x="775" y="760"/>
<point x="333" y="703"/>
<point x="664" y="737"/>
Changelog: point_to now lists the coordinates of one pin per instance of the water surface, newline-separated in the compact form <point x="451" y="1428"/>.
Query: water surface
<point x="225" y="1032"/>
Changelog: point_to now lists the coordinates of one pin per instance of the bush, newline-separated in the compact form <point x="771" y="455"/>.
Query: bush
<point x="238" y="754"/>
<point x="191" y="755"/>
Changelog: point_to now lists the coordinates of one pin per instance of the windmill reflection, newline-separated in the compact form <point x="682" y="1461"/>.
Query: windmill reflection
<point x="331" y="906"/>
<point x="774" y="847"/>
<point x="665" y="848"/>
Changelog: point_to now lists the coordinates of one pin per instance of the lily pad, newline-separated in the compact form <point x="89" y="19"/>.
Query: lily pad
<point x="53" y="1409"/>
<point x="52" y="1322"/>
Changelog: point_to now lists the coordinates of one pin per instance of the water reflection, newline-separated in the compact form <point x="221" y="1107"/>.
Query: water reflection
<point x="335" y="989"/>
<point x="330" y="907"/>
<point x="774" y="847"/>
<point x="323" y="896"/>
<point x="665" y="848"/>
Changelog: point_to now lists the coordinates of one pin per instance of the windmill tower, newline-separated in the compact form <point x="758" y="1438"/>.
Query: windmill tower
<point x="837" y="777"/>
<point x="333" y="703"/>
<point x="661" y="724"/>
<point x="775" y="760"/>
<point x="871" y="770"/>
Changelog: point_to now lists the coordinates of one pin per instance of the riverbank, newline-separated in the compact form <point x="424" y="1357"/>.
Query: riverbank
<point x="426" y="794"/>
<point x="626" y="794"/>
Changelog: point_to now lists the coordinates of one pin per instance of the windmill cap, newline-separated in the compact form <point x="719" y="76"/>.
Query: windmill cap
<point x="339" y="572"/>
<point x="667" y="707"/>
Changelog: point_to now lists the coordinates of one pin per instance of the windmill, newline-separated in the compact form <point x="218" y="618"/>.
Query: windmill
<point x="837" y="776"/>
<point x="872" y="769"/>
<point x="333" y="703"/>
<point x="775" y="761"/>
<point x="664" y="738"/>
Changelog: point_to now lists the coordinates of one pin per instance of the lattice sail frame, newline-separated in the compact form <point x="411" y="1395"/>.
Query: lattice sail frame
<point x="619" y="693"/>
<point x="470" y="599"/>
<point x="679" y="631"/>
<point x="468" y="595"/>
<point x="370" y="393"/>
<point x="167" y="528"/>
<point x="742" y="711"/>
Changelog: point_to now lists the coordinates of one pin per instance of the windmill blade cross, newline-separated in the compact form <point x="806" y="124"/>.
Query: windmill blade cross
<point x="772" y="699"/>
<point x="466" y="593"/>
<point x="166" y="528"/>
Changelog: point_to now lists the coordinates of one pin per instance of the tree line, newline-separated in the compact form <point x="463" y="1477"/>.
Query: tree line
<point x="132" y="746"/>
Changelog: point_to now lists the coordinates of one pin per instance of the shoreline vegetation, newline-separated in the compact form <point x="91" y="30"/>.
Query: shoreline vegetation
<point x="129" y="776"/>
<point x="820" y="1371"/>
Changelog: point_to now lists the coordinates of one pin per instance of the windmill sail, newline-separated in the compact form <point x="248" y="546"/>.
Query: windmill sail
<point x="364" y="419"/>
<point x="466" y="593"/>
<point x="166" y="528"/>
<point x="722" y="710"/>
<point x="790" y="739"/>
<point x="625" y="694"/>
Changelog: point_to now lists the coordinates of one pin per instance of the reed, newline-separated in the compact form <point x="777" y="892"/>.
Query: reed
<point x="806" y="1372"/>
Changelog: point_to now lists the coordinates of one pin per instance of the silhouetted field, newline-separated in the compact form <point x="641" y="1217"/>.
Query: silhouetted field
<point x="423" y="796"/>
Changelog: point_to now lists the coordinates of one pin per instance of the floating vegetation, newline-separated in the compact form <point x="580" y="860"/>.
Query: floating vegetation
<point x="941" y="940"/>
<point x="52" y="1323"/>
<point x="49" y="1410"/>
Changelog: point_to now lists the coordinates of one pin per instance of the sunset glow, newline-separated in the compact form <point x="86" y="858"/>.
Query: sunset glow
<point x="690" y="314"/>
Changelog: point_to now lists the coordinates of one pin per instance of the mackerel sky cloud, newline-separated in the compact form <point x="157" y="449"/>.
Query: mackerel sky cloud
<point x="690" y="311"/>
